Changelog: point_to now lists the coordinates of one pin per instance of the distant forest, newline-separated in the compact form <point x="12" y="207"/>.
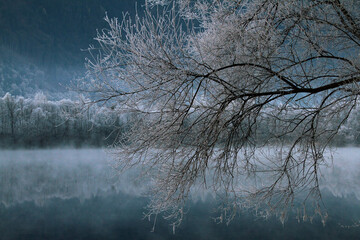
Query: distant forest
<point x="39" y="122"/>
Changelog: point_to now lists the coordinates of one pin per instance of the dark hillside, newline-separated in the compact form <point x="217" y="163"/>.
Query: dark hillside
<point x="41" y="40"/>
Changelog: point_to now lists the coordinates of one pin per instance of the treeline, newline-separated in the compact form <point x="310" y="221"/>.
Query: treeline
<point x="38" y="122"/>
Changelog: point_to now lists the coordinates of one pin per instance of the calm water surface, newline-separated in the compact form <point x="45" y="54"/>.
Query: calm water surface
<point x="76" y="194"/>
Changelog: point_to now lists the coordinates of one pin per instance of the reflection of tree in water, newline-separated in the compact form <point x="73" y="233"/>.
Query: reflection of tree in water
<point x="41" y="175"/>
<point x="119" y="215"/>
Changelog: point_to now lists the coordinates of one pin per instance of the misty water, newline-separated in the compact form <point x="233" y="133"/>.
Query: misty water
<point x="77" y="194"/>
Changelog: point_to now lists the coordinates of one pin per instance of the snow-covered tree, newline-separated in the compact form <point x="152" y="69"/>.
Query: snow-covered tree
<point x="36" y="121"/>
<point x="10" y="108"/>
<point x="204" y="75"/>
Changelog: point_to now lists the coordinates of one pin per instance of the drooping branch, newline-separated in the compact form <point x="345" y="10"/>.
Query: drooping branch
<point x="214" y="86"/>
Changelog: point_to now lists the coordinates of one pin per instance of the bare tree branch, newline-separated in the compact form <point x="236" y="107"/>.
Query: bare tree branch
<point x="240" y="97"/>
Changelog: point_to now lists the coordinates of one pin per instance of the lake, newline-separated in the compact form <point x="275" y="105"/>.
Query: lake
<point x="76" y="194"/>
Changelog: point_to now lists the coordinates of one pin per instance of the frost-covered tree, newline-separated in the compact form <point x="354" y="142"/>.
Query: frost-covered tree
<point x="38" y="122"/>
<point x="241" y="97"/>
<point x="10" y="106"/>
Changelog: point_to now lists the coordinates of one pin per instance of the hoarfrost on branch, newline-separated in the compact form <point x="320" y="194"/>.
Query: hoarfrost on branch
<point x="239" y="97"/>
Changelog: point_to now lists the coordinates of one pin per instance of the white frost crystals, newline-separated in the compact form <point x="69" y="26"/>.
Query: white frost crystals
<point x="209" y="75"/>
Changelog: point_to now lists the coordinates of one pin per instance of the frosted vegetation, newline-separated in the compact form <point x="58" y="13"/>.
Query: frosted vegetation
<point x="215" y="95"/>
<point x="217" y="82"/>
<point x="38" y="122"/>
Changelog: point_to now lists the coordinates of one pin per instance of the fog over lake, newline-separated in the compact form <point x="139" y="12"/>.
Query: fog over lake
<point x="76" y="193"/>
<point x="229" y="111"/>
